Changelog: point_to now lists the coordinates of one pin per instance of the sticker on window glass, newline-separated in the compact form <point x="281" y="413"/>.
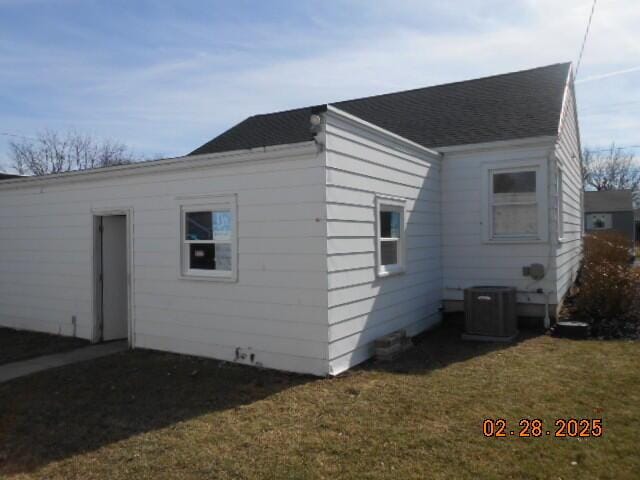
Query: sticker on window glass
<point x="223" y="256"/>
<point x="221" y="226"/>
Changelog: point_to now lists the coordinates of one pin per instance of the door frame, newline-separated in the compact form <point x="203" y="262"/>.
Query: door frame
<point x="96" y="293"/>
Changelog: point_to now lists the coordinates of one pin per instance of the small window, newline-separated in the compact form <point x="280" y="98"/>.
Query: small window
<point x="391" y="232"/>
<point x="560" y="204"/>
<point x="208" y="240"/>
<point x="599" y="221"/>
<point x="513" y="204"/>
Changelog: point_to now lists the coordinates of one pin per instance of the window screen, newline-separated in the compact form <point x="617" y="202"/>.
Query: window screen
<point x="514" y="207"/>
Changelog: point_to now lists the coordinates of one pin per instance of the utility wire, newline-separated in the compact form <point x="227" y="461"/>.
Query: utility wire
<point x="586" y="35"/>
<point x="624" y="147"/>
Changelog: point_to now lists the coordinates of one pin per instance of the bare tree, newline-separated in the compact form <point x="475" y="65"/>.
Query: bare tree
<point x="610" y="169"/>
<point x="51" y="152"/>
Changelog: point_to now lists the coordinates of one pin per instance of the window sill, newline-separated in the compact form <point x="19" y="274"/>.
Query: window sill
<point x="390" y="272"/>
<point x="515" y="240"/>
<point x="209" y="278"/>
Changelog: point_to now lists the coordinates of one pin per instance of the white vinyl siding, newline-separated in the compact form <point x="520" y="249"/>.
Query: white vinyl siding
<point x="470" y="256"/>
<point x="567" y="152"/>
<point x="277" y="308"/>
<point x="361" y="170"/>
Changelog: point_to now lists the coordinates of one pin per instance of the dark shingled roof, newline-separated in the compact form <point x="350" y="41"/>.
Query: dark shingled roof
<point x="6" y="176"/>
<point x="608" y="201"/>
<point x="502" y="107"/>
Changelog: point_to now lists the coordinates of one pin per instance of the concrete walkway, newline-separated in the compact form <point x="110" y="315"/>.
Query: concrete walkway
<point x="9" y="371"/>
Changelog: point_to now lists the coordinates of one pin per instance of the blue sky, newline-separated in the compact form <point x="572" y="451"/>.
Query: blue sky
<point x="166" y="76"/>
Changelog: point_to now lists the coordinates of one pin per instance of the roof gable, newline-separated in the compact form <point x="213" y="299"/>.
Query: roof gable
<point x="5" y="176"/>
<point x="502" y="107"/>
<point x="608" y="201"/>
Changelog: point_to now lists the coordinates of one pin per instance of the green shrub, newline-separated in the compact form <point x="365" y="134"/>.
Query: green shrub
<point x="609" y="289"/>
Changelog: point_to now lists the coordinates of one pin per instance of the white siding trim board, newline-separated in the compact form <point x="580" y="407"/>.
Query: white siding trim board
<point x="367" y="167"/>
<point x="275" y="153"/>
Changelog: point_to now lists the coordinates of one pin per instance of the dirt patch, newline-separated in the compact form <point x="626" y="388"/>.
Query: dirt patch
<point x="16" y="345"/>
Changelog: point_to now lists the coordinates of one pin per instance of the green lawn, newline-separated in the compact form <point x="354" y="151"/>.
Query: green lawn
<point x="16" y="345"/>
<point x="150" y="415"/>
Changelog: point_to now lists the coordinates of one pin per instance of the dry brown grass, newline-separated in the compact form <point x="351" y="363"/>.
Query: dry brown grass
<point x="150" y="415"/>
<point x="609" y="288"/>
<point x="607" y="247"/>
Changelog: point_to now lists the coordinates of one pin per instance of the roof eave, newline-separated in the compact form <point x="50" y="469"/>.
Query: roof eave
<point x="169" y="164"/>
<point x="539" y="141"/>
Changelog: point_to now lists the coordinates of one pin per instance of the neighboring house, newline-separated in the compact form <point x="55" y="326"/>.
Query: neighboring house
<point x="295" y="239"/>
<point x="610" y="210"/>
<point x="5" y="176"/>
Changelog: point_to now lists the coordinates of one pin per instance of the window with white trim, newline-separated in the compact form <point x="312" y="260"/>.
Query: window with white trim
<point x="560" y="203"/>
<point x="599" y="221"/>
<point x="208" y="240"/>
<point x="390" y="236"/>
<point x="513" y="204"/>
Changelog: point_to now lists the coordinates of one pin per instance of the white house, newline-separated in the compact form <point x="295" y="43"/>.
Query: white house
<point x="295" y="239"/>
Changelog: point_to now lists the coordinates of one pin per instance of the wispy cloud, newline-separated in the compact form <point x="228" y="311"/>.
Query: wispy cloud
<point x="602" y="76"/>
<point x="165" y="79"/>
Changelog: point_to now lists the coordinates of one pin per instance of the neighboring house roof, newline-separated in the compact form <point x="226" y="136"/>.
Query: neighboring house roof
<point x="502" y="107"/>
<point x="608" y="201"/>
<point x="5" y="176"/>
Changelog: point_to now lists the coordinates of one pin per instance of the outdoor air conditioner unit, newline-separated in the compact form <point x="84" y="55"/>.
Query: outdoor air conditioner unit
<point x="490" y="314"/>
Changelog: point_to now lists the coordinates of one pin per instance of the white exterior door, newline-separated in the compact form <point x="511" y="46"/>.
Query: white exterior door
<point x="114" y="278"/>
